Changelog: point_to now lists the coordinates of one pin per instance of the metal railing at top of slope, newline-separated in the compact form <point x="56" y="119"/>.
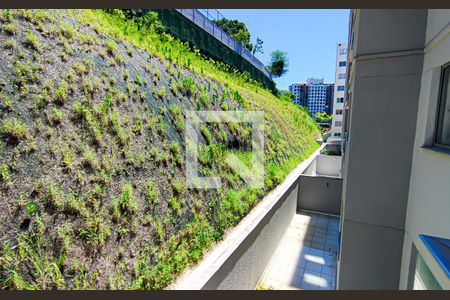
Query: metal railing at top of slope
<point x="212" y="14"/>
<point x="204" y="22"/>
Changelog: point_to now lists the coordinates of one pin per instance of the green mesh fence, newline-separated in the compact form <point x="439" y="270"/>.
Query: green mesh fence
<point x="211" y="41"/>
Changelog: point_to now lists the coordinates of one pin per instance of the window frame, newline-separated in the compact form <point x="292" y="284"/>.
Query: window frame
<point x="439" y="107"/>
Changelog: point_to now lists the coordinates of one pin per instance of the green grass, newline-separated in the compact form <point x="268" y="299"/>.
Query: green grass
<point x="111" y="47"/>
<point x="61" y="92"/>
<point x="189" y="86"/>
<point x="12" y="28"/>
<point x="152" y="193"/>
<point x="160" y="92"/>
<point x="178" y="185"/>
<point x="14" y="128"/>
<point x="126" y="204"/>
<point x="96" y="230"/>
<point x="90" y="159"/>
<point x="176" y="204"/>
<point x="5" y="174"/>
<point x="33" y="41"/>
<point x="55" y="116"/>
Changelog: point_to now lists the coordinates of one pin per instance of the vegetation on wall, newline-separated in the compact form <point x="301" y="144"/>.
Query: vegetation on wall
<point x="287" y="95"/>
<point x="237" y="30"/>
<point x="92" y="171"/>
<point x="323" y="117"/>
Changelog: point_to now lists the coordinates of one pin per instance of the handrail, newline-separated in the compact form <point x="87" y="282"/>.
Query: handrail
<point x="198" y="18"/>
<point x="211" y="17"/>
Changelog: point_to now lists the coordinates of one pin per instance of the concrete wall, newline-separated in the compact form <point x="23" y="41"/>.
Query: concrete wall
<point x="245" y="267"/>
<point x="320" y="194"/>
<point x="389" y="30"/>
<point x="325" y="165"/>
<point x="429" y="201"/>
<point x="311" y="169"/>
<point x="384" y="85"/>
<point x="328" y="165"/>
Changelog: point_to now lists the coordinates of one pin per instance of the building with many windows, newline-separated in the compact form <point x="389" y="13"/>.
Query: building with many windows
<point x="300" y="90"/>
<point x="313" y="94"/>
<point x="339" y="89"/>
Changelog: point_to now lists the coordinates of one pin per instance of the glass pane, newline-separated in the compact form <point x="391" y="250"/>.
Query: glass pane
<point x="443" y="130"/>
<point x="424" y="279"/>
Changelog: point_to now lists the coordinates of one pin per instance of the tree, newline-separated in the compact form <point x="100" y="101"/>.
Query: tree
<point x="323" y="117"/>
<point x="279" y="63"/>
<point x="237" y="30"/>
<point x="258" y="47"/>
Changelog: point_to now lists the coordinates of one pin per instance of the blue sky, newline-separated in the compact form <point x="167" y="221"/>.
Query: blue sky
<point x="309" y="36"/>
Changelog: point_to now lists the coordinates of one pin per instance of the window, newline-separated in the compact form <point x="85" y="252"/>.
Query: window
<point x="338" y="123"/>
<point x="337" y="134"/>
<point x="442" y="137"/>
<point x="341" y="76"/>
<point x="424" y="279"/>
<point x="339" y="111"/>
<point x="343" y="51"/>
<point x="340" y="88"/>
<point x="342" y="63"/>
<point x="340" y="100"/>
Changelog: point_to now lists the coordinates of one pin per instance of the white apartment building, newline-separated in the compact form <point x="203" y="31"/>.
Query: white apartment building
<point x="339" y="89"/>
<point x="395" y="215"/>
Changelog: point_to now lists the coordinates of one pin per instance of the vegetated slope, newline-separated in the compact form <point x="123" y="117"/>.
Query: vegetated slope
<point x="92" y="151"/>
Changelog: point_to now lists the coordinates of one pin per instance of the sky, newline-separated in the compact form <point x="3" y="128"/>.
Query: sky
<point x="309" y="36"/>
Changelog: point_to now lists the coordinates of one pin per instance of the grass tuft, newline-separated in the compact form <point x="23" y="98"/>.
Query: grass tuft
<point x="14" y="128"/>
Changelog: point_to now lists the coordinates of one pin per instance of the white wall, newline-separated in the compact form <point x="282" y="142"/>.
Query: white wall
<point x="428" y="209"/>
<point x="385" y="78"/>
<point x="329" y="165"/>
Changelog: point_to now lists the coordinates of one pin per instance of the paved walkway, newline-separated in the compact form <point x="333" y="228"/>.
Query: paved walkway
<point x="306" y="256"/>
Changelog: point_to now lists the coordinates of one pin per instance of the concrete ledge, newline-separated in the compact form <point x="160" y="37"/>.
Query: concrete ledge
<point x="240" y="259"/>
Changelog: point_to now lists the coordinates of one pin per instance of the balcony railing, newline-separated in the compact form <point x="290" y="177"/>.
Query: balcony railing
<point x="204" y="21"/>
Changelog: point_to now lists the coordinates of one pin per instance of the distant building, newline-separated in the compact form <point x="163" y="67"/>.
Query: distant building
<point x="300" y="90"/>
<point x="339" y="89"/>
<point x="313" y="94"/>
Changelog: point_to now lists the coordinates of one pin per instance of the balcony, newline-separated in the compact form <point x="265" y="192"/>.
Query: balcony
<point x="288" y="241"/>
<point x="306" y="255"/>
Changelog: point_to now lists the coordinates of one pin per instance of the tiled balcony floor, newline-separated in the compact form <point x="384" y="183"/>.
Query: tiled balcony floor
<point x="306" y="256"/>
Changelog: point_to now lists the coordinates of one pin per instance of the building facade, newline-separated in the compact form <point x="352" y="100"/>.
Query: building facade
<point x="395" y="224"/>
<point x="339" y="89"/>
<point x="313" y="94"/>
<point x="300" y="90"/>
